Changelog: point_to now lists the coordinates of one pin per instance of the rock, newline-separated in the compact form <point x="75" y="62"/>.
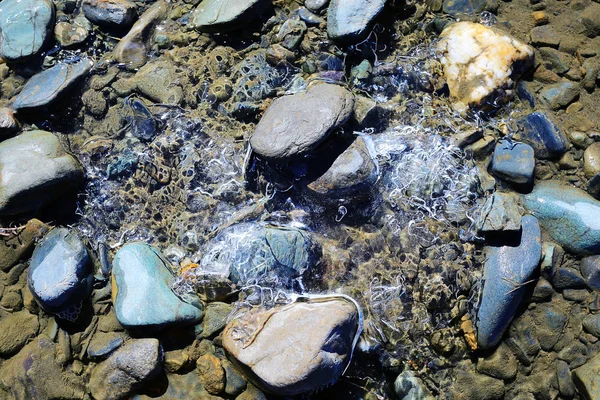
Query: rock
<point x="513" y="162"/>
<point x="567" y="278"/>
<point x="470" y="386"/>
<point x="549" y="321"/>
<point x="176" y="360"/>
<point x="36" y="373"/>
<point x="16" y="329"/>
<point x="25" y="26"/>
<point x="502" y="364"/>
<point x="15" y="248"/>
<point x="594" y="186"/>
<point x="94" y="102"/>
<point x="350" y="20"/>
<point x="142" y="125"/>
<point x="291" y="33"/>
<point x="542" y="292"/>
<point x="261" y="253"/>
<point x="215" y="318"/>
<point x="408" y="386"/>
<point x="142" y="294"/>
<point x="565" y="382"/>
<point x="591" y="160"/>
<point x="556" y="61"/>
<point x="590" y="18"/>
<point x="523" y="340"/>
<point x="131" y="49"/>
<point x="60" y="273"/>
<point x="8" y="123"/>
<point x="559" y="95"/>
<point x="547" y="140"/>
<point x="126" y="370"/>
<point x="568" y="214"/>
<point x="590" y="271"/>
<point x="591" y="323"/>
<point x="505" y="272"/>
<point x="235" y="381"/>
<point x="34" y="169"/>
<point x="179" y="388"/>
<point x="544" y="36"/>
<point x="211" y="373"/>
<point x="251" y="393"/>
<point x="45" y="87"/>
<point x="469" y="7"/>
<point x="592" y="71"/>
<point x="110" y="13"/>
<point x="481" y="64"/>
<point x="294" y="125"/>
<point x="297" y="348"/>
<point x="316" y="5"/>
<point x="355" y="170"/>
<point x="500" y="213"/>
<point x="70" y="35"/>
<point x="225" y="15"/>
<point x="104" y="343"/>
<point x="156" y="81"/>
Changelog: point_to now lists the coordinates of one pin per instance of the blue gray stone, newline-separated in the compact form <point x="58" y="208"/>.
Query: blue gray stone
<point x="559" y="95"/>
<point x="26" y="26"/>
<point x="547" y="140"/>
<point x="142" y="280"/>
<point x="513" y="162"/>
<point x="568" y="214"/>
<point x="591" y="323"/>
<point x="110" y="13"/>
<point x="350" y="20"/>
<point x="45" y="87"/>
<point x="590" y="270"/>
<point x="506" y="272"/>
<point x="60" y="273"/>
<point x="224" y="15"/>
<point x="500" y="213"/>
<point x="567" y="278"/>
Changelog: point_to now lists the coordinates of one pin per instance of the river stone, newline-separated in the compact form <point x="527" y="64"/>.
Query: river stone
<point x="14" y="248"/>
<point x="297" y="348"/>
<point x="15" y="330"/>
<point x="513" y="162"/>
<point x="481" y="64"/>
<point x="501" y="364"/>
<point x="506" y="270"/>
<point x="500" y="213"/>
<point x="547" y="140"/>
<point x="60" y="273"/>
<point x="104" y="343"/>
<point x="34" y="169"/>
<point x="294" y="125"/>
<point x="224" y="15"/>
<point x="69" y="35"/>
<point x="587" y="379"/>
<point x="591" y="323"/>
<point x="590" y="270"/>
<point x="142" y="295"/>
<point x="559" y="95"/>
<point x="126" y="370"/>
<point x="468" y="7"/>
<point x="215" y="318"/>
<point x="156" y="80"/>
<point x="110" y="13"/>
<point x="350" y="20"/>
<point x="25" y="26"/>
<point x="45" y="87"/>
<point x="591" y="160"/>
<point x="316" y="5"/>
<point x="408" y="386"/>
<point x="356" y="169"/>
<point x="569" y="215"/>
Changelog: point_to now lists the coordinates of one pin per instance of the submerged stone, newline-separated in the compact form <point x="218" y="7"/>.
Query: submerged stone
<point x="500" y="213"/>
<point x="142" y="294"/>
<point x="15" y="330"/>
<point x="468" y="7"/>
<point x="590" y="271"/>
<point x="568" y="214"/>
<point x="350" y="20"/>
<point x="224" y="15"/>
<point x="546" y="138"/>
<point x="142" y="125"/>
<point x="25" y="26"/>
<point x="111" y="13"/>
<point x="505" y="273"/>
<point x="297" y="348"/>
<point x="481" y="64"/>
<point x="513" y="162"/>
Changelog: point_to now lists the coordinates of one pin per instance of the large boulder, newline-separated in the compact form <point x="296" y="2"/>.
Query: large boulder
<point x="297" y="348"/>
<point x="35" y="169"/>
<point x="350" y="20"/>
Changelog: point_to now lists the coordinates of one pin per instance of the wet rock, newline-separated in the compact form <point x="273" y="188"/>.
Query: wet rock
<point x="513" y="162"/>
<point x="60" y="273"/>
<point x="470" y="386"/>
<point x="506" y="270"/>
<point x="34" y="170"/>
<point x="544" y="36"/>
<point x="15" y="330"/>
<point x="542" y="292"/>
<point x="94" y="102"/>
<point x="591" y="323"/>
<point x="156" y="81"/>
<point x="590" y="18"/>
<point x="215" y="318"/>
<point x="142" y="125"/>
<point x="104" y="343"/>
<point x="296" y="348"/>
<point x="568" y="214"/>
<point x="309" y="17"/>
<point x="131" y="49"/>
<point x="8" y="123"/>
<point x="500" y="213"/>
<point x="355" y="170"/>
<point x="126" y="370"/>
<point x="546" y="138"/>
<point x="291" y="33"/>
<point x="25" y="26"/>
<point x="408" y="387"/>
<point x="70" y="35"/>
<point x="469" y="7"/>
<point x="45" y="87"/>
<point x="350" y="20"/>
<point x="316" y="5"/>
<point x="590" y="271"/>
<point x="294" y="125"/>
<point x="252" y="393"/>
<point x="481" y="64"/>
<point x="142" y="280"/>
<point x="110" y="13"/>
<point x="559" y="95"/>
<point x="14" y="248"/>
<point x="567" y="278"/>
<point x="224" y="15"/>
<point x="36" y="373"/>
<point x="502" y="364"/>
<point x="211" y="373"/>
<point x="235" y="381"/>
<point x="591" y="160"/>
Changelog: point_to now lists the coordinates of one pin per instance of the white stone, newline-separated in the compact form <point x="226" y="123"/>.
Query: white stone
<point x="481" y="63"/>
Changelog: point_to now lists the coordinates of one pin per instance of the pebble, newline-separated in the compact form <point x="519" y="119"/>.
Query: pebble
<point x="60" y="273"/>
<point x="471" y="386"/>
<point x="540" y="18"/>
<point x="235" y="383"/>
<point x="544" y="36"/>
<point x="500" y="213"/>
<point x="215" y="318"/>
<point x="546" y="138"/>
<point x="45" y="87"/>
<point x="591" y="323"/>
<point x="26" y="26"/>
<point x="110" y="13"/>
<point x="591" y="160"/>
<point x="16" y="329"/>
<point x="569" y="215"/>
<point x="507" y="268"/>
<point x="35" y="170"/>
<point x="349" y="20"/>
<point x="462" y="8"/>
<point x="513" y="162"/>
<point x="590" y="18"/>
<point x="590" y="271"/>
<point x="294" y="125"/>
<point x="550" y="322"/>
<point x="104" y="343"/>
<point x="15" y="248"/>
<point x="592" y="72"/>
<point x="316" y="5"/>
<point x="70" y="35"/>
<point x="470" y="51"/>
<point x="126" y="370"/>
<point x="408" y="386"/>
<point x="565" y="382"/>
<point x="297" y="348"/>
<point x="225" y="15"/>
<point x="212" y="374"/>
<point x="556" y="61"/>
<point x="559" y="95"/>
<point x="501" y="364"/>
<point x="567" y="278"/>
<point x="156" y="81"/>
<point x="142" y="294"/>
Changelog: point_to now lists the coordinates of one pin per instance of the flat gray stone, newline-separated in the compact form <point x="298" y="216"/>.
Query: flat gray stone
<point x="500" y="213"/>
<point x="294" y="125"/>
<point x="223" y="15"/>
<point x="350" y="20"/>
<point x="513" y="162"/>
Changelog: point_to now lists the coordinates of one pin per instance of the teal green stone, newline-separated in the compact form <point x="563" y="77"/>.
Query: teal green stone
<point x="25" y="26"/>
<point x="569" y="215"/>
<point x="142" y="294"/>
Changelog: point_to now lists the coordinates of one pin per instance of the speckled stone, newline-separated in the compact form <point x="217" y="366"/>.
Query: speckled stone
<point x="513" y="162"/>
